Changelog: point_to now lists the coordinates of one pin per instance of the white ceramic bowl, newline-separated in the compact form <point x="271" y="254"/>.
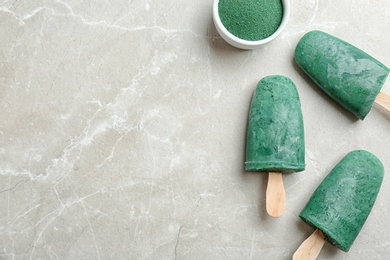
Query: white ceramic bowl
<point x="245" y="44"/>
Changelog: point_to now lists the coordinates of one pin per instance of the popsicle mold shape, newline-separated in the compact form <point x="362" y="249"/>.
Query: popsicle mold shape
<point x="342" y="202"/>
<point x="275" y="134"/>
<point x="347" y="74"/>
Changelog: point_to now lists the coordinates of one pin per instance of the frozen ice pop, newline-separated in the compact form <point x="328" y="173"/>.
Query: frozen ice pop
<point x="275" y="136"/>
<point x="342" y="202"/>
<point x="347" y="74"/>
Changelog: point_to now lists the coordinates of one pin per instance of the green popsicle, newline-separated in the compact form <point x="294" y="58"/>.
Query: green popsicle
<point x="275" y="135"/>
<point x="341" y="204"/>
<point x="347" y="74"/>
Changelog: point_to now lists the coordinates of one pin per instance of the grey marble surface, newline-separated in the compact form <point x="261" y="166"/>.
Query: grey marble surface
<point x="122" y="132"/>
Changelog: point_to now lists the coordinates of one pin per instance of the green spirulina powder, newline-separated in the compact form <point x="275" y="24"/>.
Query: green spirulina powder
<point x="251" y="20"/>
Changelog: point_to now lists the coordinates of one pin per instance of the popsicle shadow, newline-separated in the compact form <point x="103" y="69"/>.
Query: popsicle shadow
<point x="330" y="251"/>
<point x="382" y="111"/>
<point x="321" y="93"/>
<point x="262" y="201"/>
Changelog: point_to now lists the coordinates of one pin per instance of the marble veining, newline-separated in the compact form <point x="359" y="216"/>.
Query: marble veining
<point x="122" y="132"/>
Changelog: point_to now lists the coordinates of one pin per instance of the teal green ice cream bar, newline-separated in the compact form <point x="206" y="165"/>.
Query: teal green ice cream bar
<point x="275" y="135"/>
<point x="341" y="204"/>
<point x="347" y="74"/>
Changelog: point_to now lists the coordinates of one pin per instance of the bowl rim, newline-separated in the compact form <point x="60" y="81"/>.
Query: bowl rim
<point x="247" y="44"/>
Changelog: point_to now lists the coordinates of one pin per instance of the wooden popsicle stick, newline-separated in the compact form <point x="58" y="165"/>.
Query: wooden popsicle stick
<point x="311" y="247"/>
<point x="383" y="100"/>
<point x="275" y="195"/>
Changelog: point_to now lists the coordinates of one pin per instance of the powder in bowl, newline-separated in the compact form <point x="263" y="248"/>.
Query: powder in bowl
<point x="251" y="20"/>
